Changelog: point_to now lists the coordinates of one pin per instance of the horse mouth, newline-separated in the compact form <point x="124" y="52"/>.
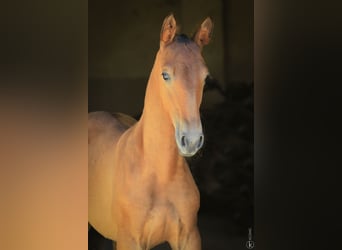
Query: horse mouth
<point x="187" y="154"/>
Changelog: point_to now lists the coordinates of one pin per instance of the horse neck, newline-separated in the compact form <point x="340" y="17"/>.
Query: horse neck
<point x="158" y="133"/>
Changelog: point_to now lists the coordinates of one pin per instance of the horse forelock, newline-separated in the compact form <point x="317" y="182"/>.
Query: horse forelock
<point x="182" y="38"/>
<point x="185" y="51"/>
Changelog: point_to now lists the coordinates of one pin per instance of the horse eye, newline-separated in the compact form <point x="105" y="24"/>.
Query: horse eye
<point x="166" y="76"/>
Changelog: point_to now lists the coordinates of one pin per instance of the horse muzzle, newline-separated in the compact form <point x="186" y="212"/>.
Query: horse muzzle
<point x="189" y="141"/>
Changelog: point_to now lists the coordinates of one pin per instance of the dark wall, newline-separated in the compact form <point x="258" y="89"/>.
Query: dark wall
<point x="238" y="16"/>
<point x="124" y="38"/>
<point x="123" y="41"/>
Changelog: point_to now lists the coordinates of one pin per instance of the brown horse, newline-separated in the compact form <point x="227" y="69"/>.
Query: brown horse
<point x="141" y="191"/>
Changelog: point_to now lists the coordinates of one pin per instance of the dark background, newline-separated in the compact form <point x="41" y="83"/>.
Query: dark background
<point x="124" y="38"/>
<point x="123" y="41"/>
<point x="44" y="106"/>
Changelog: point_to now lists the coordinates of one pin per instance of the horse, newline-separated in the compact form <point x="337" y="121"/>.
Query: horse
<point x="141" y="190"/>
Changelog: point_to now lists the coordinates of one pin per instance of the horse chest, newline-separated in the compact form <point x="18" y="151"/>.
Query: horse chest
<point x="161" y="219"/>
<point x="158" y="212"/>
<point x="160" y="215"/>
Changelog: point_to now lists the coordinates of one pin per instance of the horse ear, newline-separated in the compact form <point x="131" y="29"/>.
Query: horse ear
<point x="203" y="35"/>
<point x="168" y="30"/>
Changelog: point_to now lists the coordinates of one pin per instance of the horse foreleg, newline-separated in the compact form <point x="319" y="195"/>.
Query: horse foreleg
<point x="126" y="242"/>
<point x="190" y="241"/>
<point x="194" y="242"/>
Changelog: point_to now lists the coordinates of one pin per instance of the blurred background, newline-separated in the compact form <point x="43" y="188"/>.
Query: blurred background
<point x="123" y="38"/>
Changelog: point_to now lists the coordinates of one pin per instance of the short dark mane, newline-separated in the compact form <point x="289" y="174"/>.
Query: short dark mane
<point x="182" y="38"/>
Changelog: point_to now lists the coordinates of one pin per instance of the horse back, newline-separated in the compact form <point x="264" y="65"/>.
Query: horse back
<point x="104" y="130"/>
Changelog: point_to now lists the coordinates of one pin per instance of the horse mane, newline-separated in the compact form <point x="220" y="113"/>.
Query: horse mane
<point x="182" y="38"/>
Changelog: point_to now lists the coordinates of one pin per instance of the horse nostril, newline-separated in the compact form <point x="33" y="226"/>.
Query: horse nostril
<point x="183" y="141"/>
<point x="200" y="142"/>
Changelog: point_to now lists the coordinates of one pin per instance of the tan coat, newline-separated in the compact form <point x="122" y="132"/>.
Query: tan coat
<point x="141" y="191"/>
